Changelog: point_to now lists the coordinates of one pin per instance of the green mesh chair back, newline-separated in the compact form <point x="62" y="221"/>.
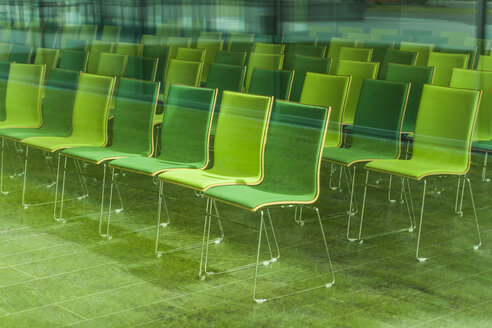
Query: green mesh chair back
<point x="230" y="57"/>
<point x="328" y="91"/>
<point x="20" y="54"/>
<point x="97" y="47"/>
<point x="359" y="72"/>
<point x="154" y="40"/>
<point x="238" y="46"/>
<point x="68" y="32"/>
<point x="128" y="33"/>
<point x="262" y="61"/>
<point x="211" y="35"/>
<point x="196" y="55"/>
<point x="239" y="38"/>
<point x="211" y="47"/>
<point x="168" y="29"/>
<point x="484" y="63"/>
<point x="302" y="65"/>
<point x="422" y="49"/>
<point x="443" y="66"/>
<point x="182" y="72"/>
<point x="88" y="32"/>
<point x="130" y="49"/>
<point x="291" y="173"/>
<point x="477" y="80"/>
<point x="74" y="60"/>
<point x="378" y="49"/>
<point x="355" y="54"/>
<point x="324" y="38"/>
<point x="455" y="38"/>
<point x="437" y="41"/>
<point x="395" y="56"/>
<point x="269" y="48"/>
<point x="350" y="29"/>
<point x="23" y="96"/>
<point x="225" y="77"/>
<point x="360" y="38"/>
<point x="5" y="49"/>
<point x="334" y="50"/>
<point x="444" y="128"/>
<point x="141" y="68"/>
<point x="271" y="82"/>
<point x="161" y="53"/>
<point x="77" y="44"/>
<point x="111" y="33"/>
<point x="465" y="50"/>
<point x="177" y="42"/>
<point x="112" y="64"/>
<point x="48" y="57"/>
<point x="186" y="125"/>
<point x="417" y="76"/>
<point x="294" y="49"/>
<point x="378" y="32"/>
<point x="4" y="77"/>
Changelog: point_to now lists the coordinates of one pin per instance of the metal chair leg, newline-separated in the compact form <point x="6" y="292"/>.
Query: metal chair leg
<point x="351" y="202"/>
<point x="477" y="246"/>
<point x="361" y="216"/>
<point x="105" y="167"/>
<point x="484" y="168"/>
<point x="161" y="202"/>
<point x="2" y="190"/>
<point x="421" y="259"/>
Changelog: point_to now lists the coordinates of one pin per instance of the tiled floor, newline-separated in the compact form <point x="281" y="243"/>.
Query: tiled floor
<point x="63" y="274"/>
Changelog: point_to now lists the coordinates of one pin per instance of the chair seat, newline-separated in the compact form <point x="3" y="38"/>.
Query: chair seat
<point x="202" y="180"/>
<point x="253" y="197"/>
<point x="149" y="165"/>
<point x="8" y="124"/>
<point x="349" y="156"/>
<point x="53" y="144"/>
<point x="21" y="134"/>
<point x="483" y="145"/>
<point x="415" y="168"/>
<point x="96" y="154"/>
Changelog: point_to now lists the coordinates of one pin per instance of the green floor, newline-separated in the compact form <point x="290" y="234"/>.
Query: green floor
<point x="63" y="274"/>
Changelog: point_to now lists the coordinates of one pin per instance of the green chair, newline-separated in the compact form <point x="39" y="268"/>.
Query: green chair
<point x="302" y="65"/>
<point x="97" y="47"/>
<point x="48" y="57"/>
<point x="211" y="47"/>
<point x="4" y="77"/>
<point x="129" y="49"/>
<point x="378" y="49"/>
<point x="238" y="146"/>
<point x="328" y="91"/>
<point x="141" y="68"/>
<point x="162" y="54"/>
<point x="423" y="51"/>
<point x="132" y="131"/>
<point x="20" y="54"/>
<point x="350" y="29"/>
<point x="74" y="60"/>
<point x="68" y="32"/>
<point x="168" y="29"/>
<point x="324" y="38"/>
<point x="378" y="32"/>
<point x="396" y="39"/>
<point x="262" y="61"/>
<point x="112" y="64"/>
<point x="441" y="146"/>
<point x="291" y="179"/>
<point x="269" y="48"/>
<point x="443" y="66"/>
<point x="196" y="55"/>
<point x="414" y="34"/>
<point x="417" y="77"/>
<point x="239" y="37"/>
<point x="211" y="35"/>
<point x="88" y="32"/>
<point x="111" y="33"/>
<point x="455" y="38"/>
<point x="465" y="50"/>
<point x="5" y="49"/>
<point x="271" y="82"/>
<point x="359" y="37"/>
<point x="152" y="40"/>
<point x="77" y="44"/>
<point x="230" y="57"/>
<point x="359" y="72"/>
<point x="237" y="46"/>
<point x="395" y="56"/>
<point x="293" y="50"/>
<point x="334" y="50"/>
<point x="355" y="54"/>
<point x="437" y="41"/>
<point x="484" y="63"/>
<point x="176" y="42"/>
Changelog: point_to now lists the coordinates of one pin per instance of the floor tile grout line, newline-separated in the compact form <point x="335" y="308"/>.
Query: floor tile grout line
<point x="70" y="311"/>
<point x="26" y="273"/>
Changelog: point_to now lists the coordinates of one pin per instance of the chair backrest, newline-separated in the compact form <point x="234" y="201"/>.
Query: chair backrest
<point x="182" y="72"/>
<point x="378" y="32"/>
<point x="161" y="53"/>
<point x="294" y="170"/>
<point x="238" y="46"/>
<point x="271" y="82"/>
<point x="88" y="32"/>
<point x="471" y="51"/>
<point x="91" y="109"/>
<point x="294" y="49"/>
<point x="484" y="63"/>
<point x="240" y="37"/>
<point x="395" y="56"/>
<point x="444" y="127"/>
<point x="355" y="54"/>
<point x="5" y="49"/>
<point x="240" y="135"/>
<point x="437" y="41"/>
<point x="135" y="106"/>
<point x="111" y="33"/>
<point x="359" y="72"/>
<point x="196" y="55"/>
<point x="379" y="117"/>
<point x="211" y="35"/>
<point x="328" y="91"/>
<point x="77" y="44"/>
<point x="422" y="49"/>
<point x="141" y="68"/>
<point x="97" y="47"/>
<point x="413" y="34"/>
<point x="150" y="39"/>
<point x="4" y="77"/>
<point x="262" y="61"/>
<point x="130" y="49"/>
<point x="360" y="38"/>
<point x="269" y="48"/>
<point x="324" y="38"/>
<point x="225" y="77"/>
<point x="174" y="42"/>
<point x="455" y="38"/>
<point x="334" y="50"/>
<point x="378" y="49"/>
<point x="112" y="64"/>
<point x="443" y="66"/>
<point x="59" y="100"/>
<point x="20" y="54"/>
<point x="350" y="29"/>
<point x="477" y="80"/>
<point x="186" y="125"/>
<point x="230" y="57"/>
<point x="74" y="60"/>
<point x="168" y="29"/>
<point x="211" y="47"/>
<point x="302" y="65"/>
<point x="48" y="57"/>
<point x="23" y="97"/>
<point x="68" y="32"/>
<point x="417" y="76"/>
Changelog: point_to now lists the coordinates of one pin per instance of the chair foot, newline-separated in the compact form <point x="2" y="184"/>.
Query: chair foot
<point x="361" y="241"/>
<point x="5" y="192"/>
<point x="352" y="240"/>
<point x="477" y="247"/>
<point x="260" y="300"/>
<point x="118" y="210"/>
<point x="107" y="236"/>
<point x="422" y="259"/>
<point x="61" y="220"/>
<point x="329" y="285"/>
<point x="82" y="197"/>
